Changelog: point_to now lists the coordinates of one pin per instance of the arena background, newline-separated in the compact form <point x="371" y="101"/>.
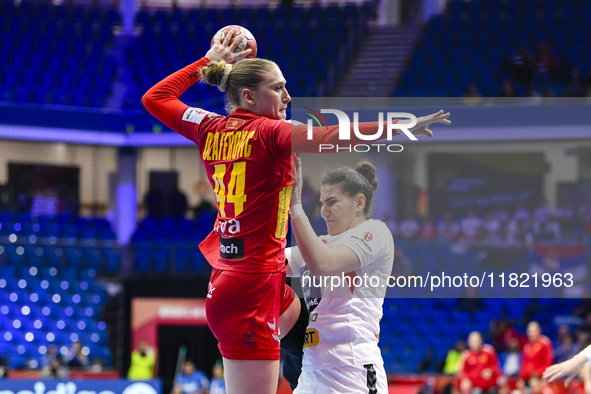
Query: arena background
<point x="97" y="243"/>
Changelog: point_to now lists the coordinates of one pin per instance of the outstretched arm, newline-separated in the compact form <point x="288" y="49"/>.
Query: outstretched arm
<point x="568" y="368"/>
<point x="295" y="136"/>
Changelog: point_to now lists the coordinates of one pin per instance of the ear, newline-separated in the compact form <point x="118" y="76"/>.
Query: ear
<point x="248" y="96"/>
<point x="360" y="203"/>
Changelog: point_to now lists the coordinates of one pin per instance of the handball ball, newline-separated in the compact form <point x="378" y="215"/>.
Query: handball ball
<point x="248" y="42"/>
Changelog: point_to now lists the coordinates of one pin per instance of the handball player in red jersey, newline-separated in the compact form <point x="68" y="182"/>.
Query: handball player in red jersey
<point x="247" y="157"/>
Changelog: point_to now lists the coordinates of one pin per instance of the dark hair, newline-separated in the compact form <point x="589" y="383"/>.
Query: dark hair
<point x="361" y="180"/>
<point x="245" y="74"/>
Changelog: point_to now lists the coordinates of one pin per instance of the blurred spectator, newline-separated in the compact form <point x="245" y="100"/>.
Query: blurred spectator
<point x="511" y="358"/>
<point x="203" y="189"/>
<point x="409" y="227"/>
<point x="521" y="213"/>
<point x="142" y="362"/>
<point x="492" y="224"/>
<point x="51" y="364"/>
<point x="3" y="366"/>
<point x="472" y="96"/>
<point x="192" y="381"/>
<point x="154" y="200"/>
<point x="565" y="346"/>
<point x="217" y="384"/>
<point x="402" y="265"/>
<point x="501" y="214"/>
<point x="544" y="64"/>
<point x="583" y="338"/>
<point x="448" y="228"/>
<point x="507" y="89"/>
<point x="470" y="224"/>
<point x="534" y="95"/>
<point x="542" y="212"/>
<point x="504" y="332"/>
<point x="428" y="231"/>
<point x="479" y="370"/>
<point x="177" y="202"/>
<point x="551" y="229"/>
<point x="75" y="358"/>
<point x="429" y="364"/>
<point x="522" y="66"/>
<point x="539" y="386"/>
<point x="454" y="358"/>
<point x="574" y="84"/>
<point x="537" y="353"/>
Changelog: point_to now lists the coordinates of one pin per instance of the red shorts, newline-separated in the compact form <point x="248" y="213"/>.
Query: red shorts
<point x="243" y="313"/>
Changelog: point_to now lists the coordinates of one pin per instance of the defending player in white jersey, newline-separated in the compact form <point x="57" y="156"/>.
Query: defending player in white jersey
<point x="341" y="353"/>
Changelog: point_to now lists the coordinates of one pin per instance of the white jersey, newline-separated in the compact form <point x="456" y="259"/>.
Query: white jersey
<point x="344" y="327"/>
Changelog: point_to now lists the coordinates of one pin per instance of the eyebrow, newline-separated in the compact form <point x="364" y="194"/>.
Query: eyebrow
<point x="328" y="199"/>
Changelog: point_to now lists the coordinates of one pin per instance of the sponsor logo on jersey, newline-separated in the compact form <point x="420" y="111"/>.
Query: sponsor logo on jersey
<point x="228" y="227"/>
<point x="313" y="318"/>
<point x="363" y="242"/>
<point x="210" y="290"/>
<point x="368" y="236"/>
<point x="234" y="123"/>
<point x="195" y="115"/>
<point x="231" y="248"/>
<point x="311" y="338"/>
<point x="249" y="336"/>
<point x="272" y="327"/>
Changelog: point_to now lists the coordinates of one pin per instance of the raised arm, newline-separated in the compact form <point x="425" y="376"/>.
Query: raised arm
<point x="318" y="257"/>
<point x="162" y="100"/>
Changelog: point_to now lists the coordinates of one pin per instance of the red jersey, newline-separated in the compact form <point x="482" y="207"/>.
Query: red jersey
<point x="474" y="364"/>
<point x="248" y="162"/>
<point x="537" y="356"/>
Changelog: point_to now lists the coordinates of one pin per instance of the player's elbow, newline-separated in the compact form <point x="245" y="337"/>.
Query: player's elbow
<point x="321" y="267"/>
<point x="146" y="99"/>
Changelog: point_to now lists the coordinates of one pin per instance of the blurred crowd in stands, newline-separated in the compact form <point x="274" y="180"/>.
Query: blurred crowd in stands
<point x="514" y="363"/>
<point x="190" y="381"/>
<point x="540" y="73"/>
<point x="500" y="228"/>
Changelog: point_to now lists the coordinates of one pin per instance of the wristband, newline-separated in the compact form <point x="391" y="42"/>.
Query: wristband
<point x="587" y="353"/>
<point x="297" y="210"/>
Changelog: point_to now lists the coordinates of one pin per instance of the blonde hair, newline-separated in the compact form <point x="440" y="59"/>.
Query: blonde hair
<point x="246" y="74"/>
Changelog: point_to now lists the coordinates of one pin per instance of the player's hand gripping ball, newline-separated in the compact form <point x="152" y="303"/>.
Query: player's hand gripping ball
<point x="248" y="42"/>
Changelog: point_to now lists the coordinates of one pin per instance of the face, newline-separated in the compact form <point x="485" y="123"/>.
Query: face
<point x="271" y="98"/>
<point x="189" y="368"/>
<point x="474" y="341"/>
<point x="218" y="371"/>
<point x="340" y="211"/>
<point x="533" y="331"/>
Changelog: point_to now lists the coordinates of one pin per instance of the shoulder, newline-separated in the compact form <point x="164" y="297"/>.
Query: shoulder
<point x="545" y="340"/>
<point x="489" y="349"/>
<point x="374" y="229"/>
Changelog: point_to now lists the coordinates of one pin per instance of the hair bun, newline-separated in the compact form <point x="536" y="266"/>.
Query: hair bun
<point x="368" y="171"/>
<point x="213" y="73"/>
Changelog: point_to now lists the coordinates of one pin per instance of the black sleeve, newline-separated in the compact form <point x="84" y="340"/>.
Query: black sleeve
<point x="292" y="347"/>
